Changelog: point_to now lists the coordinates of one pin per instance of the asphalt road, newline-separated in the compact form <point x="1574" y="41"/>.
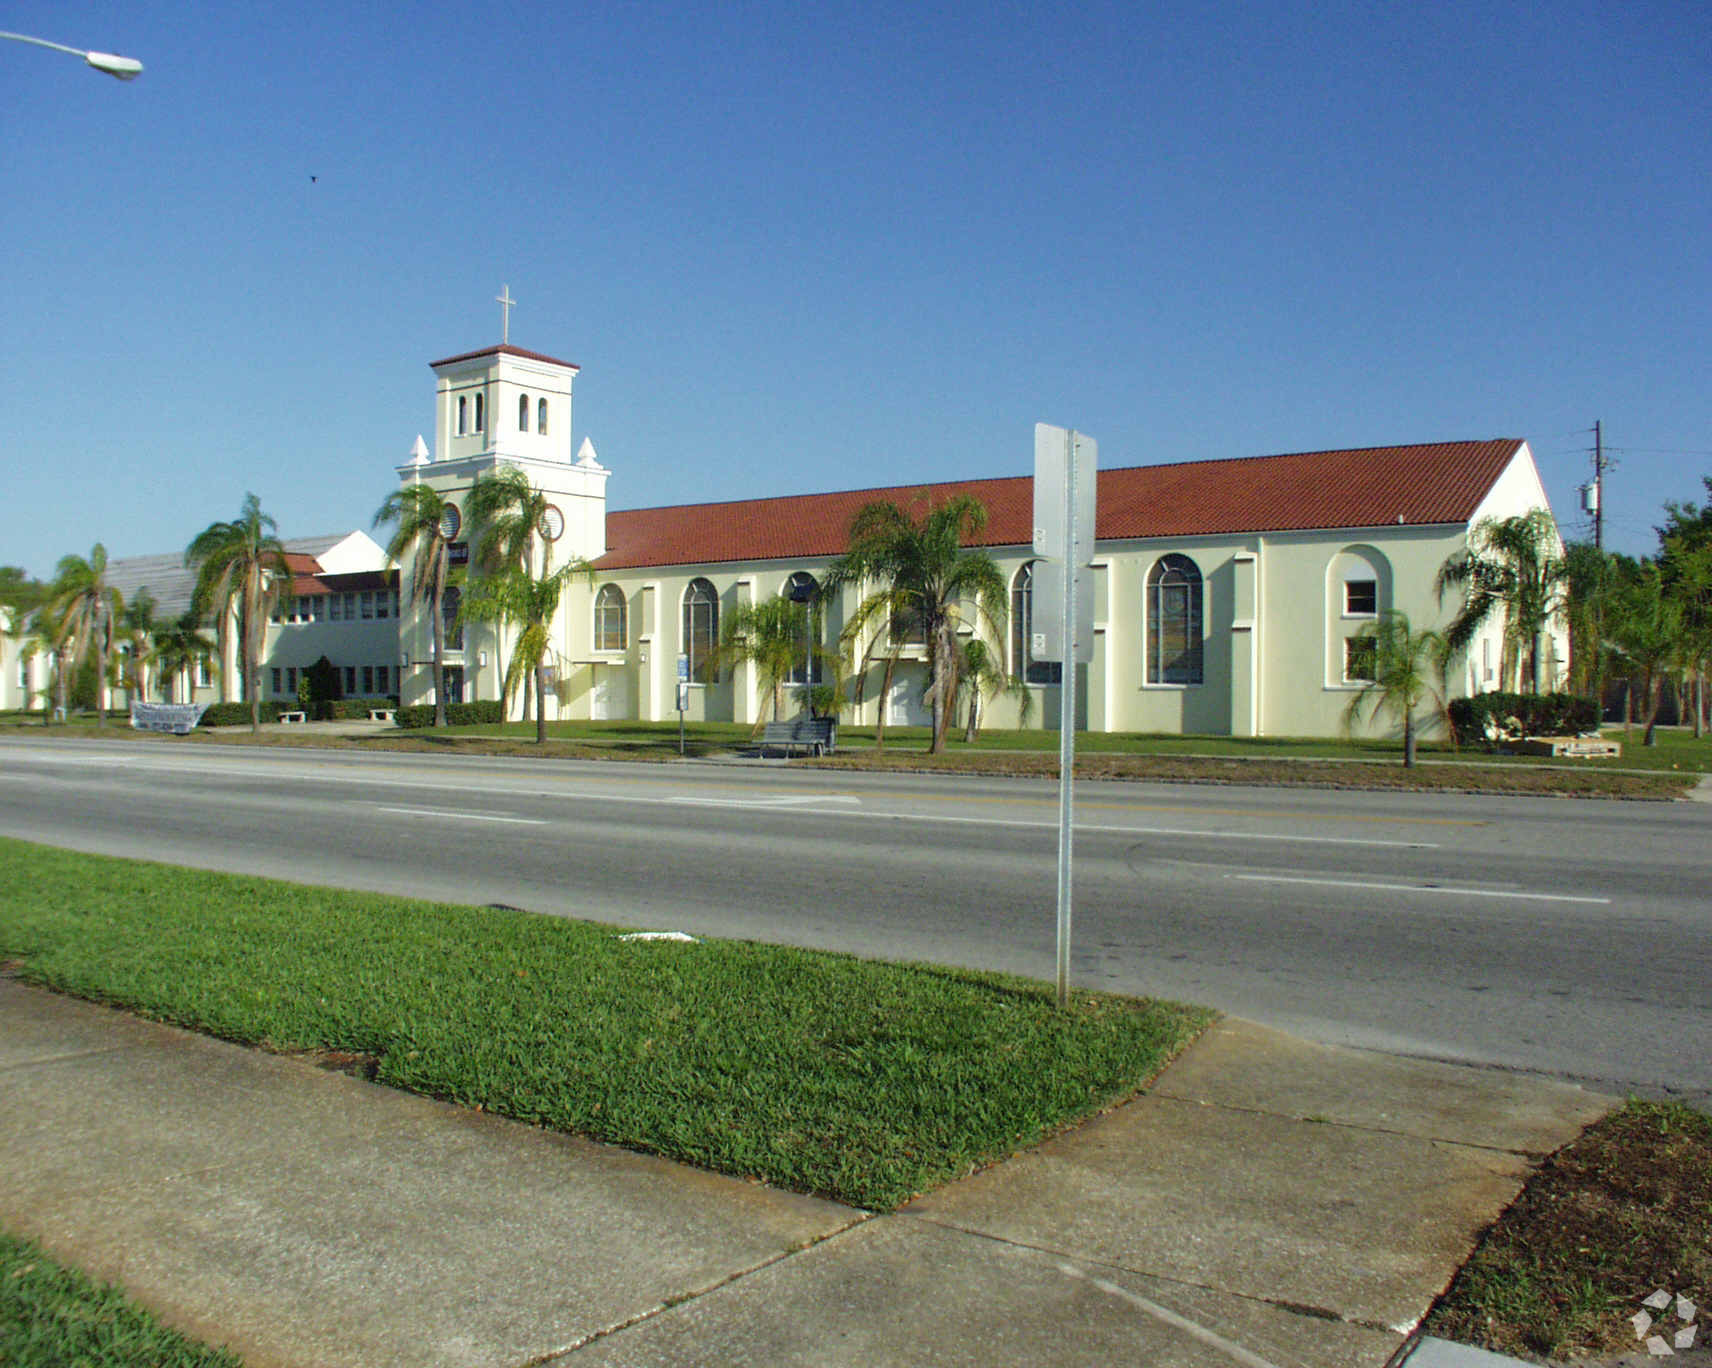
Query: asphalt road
<point x="1563" y="937"/>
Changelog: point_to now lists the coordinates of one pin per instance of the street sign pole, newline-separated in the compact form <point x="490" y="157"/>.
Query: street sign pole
<point x="1064" y="489"/>
<point x="683" y="697"/>
<point x="1067" y="725"/>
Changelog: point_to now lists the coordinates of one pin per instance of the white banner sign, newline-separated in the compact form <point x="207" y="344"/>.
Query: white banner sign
<point x="178" y="718"/>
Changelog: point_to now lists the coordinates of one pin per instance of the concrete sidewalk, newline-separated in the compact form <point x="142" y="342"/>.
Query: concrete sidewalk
<point x="1270" y="1202"/>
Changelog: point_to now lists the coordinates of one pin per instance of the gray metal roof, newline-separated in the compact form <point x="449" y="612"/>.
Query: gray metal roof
<point x="172" y="583"/>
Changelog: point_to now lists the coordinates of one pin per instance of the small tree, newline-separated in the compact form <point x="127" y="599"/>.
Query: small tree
<point x="241" y="571"/>
<point x="420" y="516"/>
<point x="928" y="581"/>
<point x="514" y="598"/>
<point x="1512" y="567"/>
<point x="983" y="673"/>
<point x="1405" y="664"/>
<point x="89" y="610"/>
<point x="178" y="646"/>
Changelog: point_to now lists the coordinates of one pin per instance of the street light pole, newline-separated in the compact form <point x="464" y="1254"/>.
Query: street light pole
<point x="120" y="68"/>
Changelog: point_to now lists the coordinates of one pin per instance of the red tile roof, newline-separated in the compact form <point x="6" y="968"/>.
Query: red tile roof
<point x="505" y="349"/>
<point x="307" y="577"/>
<point x="1435" y="482"/>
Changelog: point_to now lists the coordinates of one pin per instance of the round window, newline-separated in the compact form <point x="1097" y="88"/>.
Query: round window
<point x="450" y="522"/>
<point x="552" y="523"/>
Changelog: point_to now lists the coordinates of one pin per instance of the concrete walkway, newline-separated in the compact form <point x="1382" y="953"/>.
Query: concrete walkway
<point x="1270" y="1202"/>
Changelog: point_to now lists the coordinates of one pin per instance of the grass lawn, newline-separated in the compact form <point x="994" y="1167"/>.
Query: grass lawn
<point x="52" y="1315"/>
<point x="1622" y="1211"/>
<point x="860" y="1080"/>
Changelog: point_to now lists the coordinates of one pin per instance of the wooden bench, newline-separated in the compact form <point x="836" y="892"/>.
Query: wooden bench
<point x="294" y="717"/>
<point x="380" y="714"/>
<point x="815" y="735"/>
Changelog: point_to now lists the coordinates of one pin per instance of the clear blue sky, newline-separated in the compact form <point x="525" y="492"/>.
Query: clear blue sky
<point x="801" y="247"/>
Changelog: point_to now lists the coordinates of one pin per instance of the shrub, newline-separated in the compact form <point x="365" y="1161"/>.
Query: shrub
<point x="238" y="714"/>
<point x="457" y="714"/>
<point x="1491" y="717"/>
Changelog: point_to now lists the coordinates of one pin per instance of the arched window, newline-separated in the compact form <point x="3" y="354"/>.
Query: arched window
<point x="610" y="632"/>
<point x="541" y="416"/>
<point x="450" y="602"/>
<point x="1174" y="621"/>
<point x="463" y="414"/>
<point x="1023" y="664"/>
<point x="701" y="626"/>
<point x="481" y="414"/>
<point x="523" y="413"/>
<point x="802" y="588"/>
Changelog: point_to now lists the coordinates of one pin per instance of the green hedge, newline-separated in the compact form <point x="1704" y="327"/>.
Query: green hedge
<point x="238" y="714"/>
<point x="1509" y="716"/>
<point x="457" y="714"/>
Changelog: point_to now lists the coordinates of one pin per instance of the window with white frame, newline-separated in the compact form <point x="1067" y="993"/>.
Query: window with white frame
<point x="383" y="676"/>
<point x="1361" y="598"/>
<point x="1023" y="664"/>
<point x="368" y="599"/>
<point x="610" y="626"/>
<point x="541" y="416"/>
<point x="463" y="414"/>
<point x="276" y="680"/>
<point x="523" y="413"/>
<point x="1360" y="659"/>
<point x="1174" y="603"/>
<point x="700" y="627"/>
<point x="481" y="415"/>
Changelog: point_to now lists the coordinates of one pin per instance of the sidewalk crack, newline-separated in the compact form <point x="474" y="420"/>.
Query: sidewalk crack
<point x="694" y="1294"/>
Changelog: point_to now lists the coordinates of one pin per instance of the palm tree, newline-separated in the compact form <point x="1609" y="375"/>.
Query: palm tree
<point x="1590" y="578"/>
<point x="767" y="634"/>
<point x="43" y="634"/>
<point x="178" y="646"/>
<point x="928" y="580"/>
<point x="506" y="516"/>
<point x="1687" y="569"/>
<point x="1647" y="630"/>
<point x="139" y="625"/>
<point x="878" y="610"/>
<point x="515" y="598"/>
<point x="1403" y="663"/>
<point x="1511" y="566"/>
<point x="240" y="568"/>
<point x="983" y="673"/>
<point x="421" y="517"/>
<point x="88" y="608"/>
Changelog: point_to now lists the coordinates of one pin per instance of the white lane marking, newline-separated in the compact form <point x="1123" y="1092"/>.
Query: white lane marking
<point x="1235" y="1352"/>
<point x="464" y="816"/>
<point x="804" y="801"/>
<point x="1203" y="834"/>
<point x="1419" y="888"/>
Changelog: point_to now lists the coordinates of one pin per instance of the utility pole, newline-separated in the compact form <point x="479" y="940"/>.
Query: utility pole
<point x="1598" y="486"/>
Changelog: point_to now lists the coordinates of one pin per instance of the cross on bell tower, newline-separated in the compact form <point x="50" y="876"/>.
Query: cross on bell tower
<point x="505" y="301"/>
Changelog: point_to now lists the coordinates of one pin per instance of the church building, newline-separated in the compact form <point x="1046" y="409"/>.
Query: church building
<point x="1228" y="593"/>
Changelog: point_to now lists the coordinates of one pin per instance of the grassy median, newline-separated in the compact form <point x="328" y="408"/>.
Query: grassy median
<point x="861" y="1080"/>
<point x="50" y="1314"/>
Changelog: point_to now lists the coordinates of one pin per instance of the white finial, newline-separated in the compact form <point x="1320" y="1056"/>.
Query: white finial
<point x="586" y="456"/>
<point x="505" y="301"/>
<point x="419" y="451"/>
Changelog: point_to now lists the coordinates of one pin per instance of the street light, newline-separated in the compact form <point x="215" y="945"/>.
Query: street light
<point x="120" y="68"/>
